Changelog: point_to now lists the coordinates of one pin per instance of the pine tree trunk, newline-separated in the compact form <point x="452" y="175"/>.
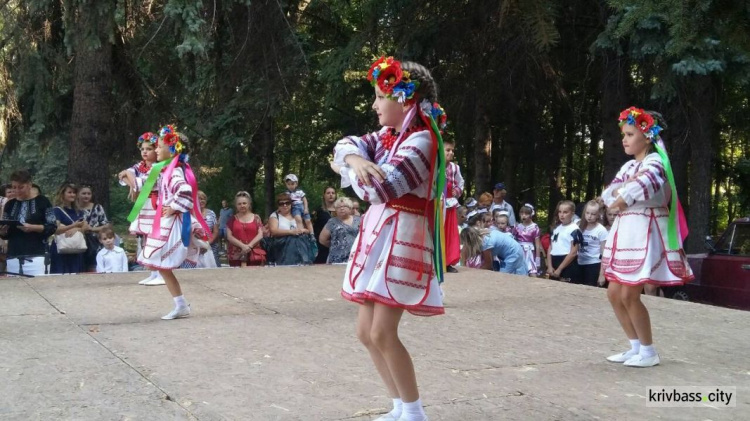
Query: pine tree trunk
<point x="91" y="134"/>
<point x="614" y="100"/>
<point x="482" y="151"/>
<point x="269" y="164"/>
<point x="701" y="108"/>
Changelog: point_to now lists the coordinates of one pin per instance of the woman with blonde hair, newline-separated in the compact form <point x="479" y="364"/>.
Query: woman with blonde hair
<point x="340" y="231"/>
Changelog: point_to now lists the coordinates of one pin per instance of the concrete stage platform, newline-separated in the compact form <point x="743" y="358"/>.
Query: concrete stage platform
<point x="279" y="344"/>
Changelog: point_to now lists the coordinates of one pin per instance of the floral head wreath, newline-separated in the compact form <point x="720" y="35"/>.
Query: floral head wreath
<point x="644" y="121"/>
<point x="147" y="137"/>
<point x="168" y="134"/>
<point x="396" y="83"/>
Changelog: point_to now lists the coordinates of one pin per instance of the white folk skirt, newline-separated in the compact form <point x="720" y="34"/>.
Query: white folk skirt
<point x="637" y="250"/>
<point x="391" y="263"/>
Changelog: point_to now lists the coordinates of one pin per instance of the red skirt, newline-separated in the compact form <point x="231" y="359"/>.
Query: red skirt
<point x="452" y="239"/>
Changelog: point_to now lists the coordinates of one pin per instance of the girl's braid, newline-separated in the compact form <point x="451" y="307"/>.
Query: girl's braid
<point x="427" y="86"/>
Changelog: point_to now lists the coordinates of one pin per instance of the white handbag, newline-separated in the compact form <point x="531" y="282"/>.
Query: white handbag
<point x="75" y="244"/>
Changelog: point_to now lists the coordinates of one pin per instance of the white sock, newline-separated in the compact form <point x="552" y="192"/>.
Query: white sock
<point x="155" y="274"/>
<point x="647" y="351"/>
<point x="179" y="301"/>
<point x="413" y="411"/>
<point x="398" y="407"/>
<point x="635" y="346"/>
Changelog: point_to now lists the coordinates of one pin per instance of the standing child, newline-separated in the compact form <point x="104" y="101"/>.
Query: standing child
<point x="454" y="189"/>
<point x="162" y="219"/>
<point x="527" y="233"/>
<point x="134" y="177"/>
<point x="110" y="259"/>
<point x="566" y="238"/>
<point x="300" y="209"/>
<point x="594" y="238"/>
<point x="501" y="222"/>
<point x="645" y="242"/>
<point x="397" y="260"/>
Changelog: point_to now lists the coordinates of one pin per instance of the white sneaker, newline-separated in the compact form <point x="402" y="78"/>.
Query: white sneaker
<point x="143" y="282"/>
<point x="621" y="358"/>
<point x="386" y="417"/>
<point x="178" y="313"/>
<point x="641" y="361"/>
<point x="156" y="281"/>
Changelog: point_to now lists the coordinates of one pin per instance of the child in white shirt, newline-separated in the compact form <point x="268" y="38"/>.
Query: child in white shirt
<point x="562" y="261"/>
<point x="594" y="238"/>
<point x="110" y="258"/>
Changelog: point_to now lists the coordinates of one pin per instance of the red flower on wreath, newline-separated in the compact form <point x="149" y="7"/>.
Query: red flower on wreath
<point x="638" y="118"/>
<point x="386" y="73"/>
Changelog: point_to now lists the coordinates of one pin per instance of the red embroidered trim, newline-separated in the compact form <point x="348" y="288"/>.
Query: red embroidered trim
<point x="417" y="310"/>
<point x="143" y="167"/>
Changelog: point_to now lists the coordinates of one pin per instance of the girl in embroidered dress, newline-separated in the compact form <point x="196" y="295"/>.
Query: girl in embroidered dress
<point x="527" y="233"/>
<point x="162" y="220"/>
<point x="134" y="177"/>
<point x="391" y="268"/>
<point x="454" y="190"/>
<point x="645" y="242"/>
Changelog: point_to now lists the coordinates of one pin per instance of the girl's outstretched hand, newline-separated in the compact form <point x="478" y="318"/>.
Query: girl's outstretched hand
<point x="364" y="169"/>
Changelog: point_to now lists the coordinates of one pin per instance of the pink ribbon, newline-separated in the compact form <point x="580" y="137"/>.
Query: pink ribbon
<point x="192" y="182"/>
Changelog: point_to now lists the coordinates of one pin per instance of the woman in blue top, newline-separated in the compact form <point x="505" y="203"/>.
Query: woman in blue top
<point x="504" y="247"/>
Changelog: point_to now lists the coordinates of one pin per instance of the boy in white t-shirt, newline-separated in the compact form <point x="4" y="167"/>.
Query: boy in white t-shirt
<point x="594" y="238"/>
<point x="110" y="259"/>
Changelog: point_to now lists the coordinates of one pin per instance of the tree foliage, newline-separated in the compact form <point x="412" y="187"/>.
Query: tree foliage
<point x="266" y="87"/>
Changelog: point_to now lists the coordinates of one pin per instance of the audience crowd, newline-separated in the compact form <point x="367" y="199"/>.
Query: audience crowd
<point x="72" y="234"/>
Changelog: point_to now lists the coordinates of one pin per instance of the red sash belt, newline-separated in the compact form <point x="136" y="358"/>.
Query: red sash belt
<point x="153" y="196"/>
<point x="414" y="205"/>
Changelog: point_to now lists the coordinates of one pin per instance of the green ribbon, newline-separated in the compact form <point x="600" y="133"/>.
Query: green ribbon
<point x="672" y="235"/>
<point x="146" y="190"/>
<point x="439" y="228"/>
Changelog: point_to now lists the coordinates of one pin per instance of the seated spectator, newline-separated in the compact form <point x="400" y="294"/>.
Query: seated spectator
<point x="213" y="226"/>
<point x="355" y="207"/>
<point x="288" y="245"/>
<point x="340" y="232"/>
<point x="244" y="233"/>
<point x="96" y="218"/>
<point x="33" y="223"/>
<point x="6" y="193"/>
<point x="69" y="221"/>
<point x="110" y="259"/>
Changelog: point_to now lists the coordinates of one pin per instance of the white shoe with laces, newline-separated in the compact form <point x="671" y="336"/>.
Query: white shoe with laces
<point x="178" y="313"/>
<point x="641" y="361"/>
<point x="156" y="281"/>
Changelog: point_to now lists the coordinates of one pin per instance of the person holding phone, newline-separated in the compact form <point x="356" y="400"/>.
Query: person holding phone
<point x="26" y="223"/>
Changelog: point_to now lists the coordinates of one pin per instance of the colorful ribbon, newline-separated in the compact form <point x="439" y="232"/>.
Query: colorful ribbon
<point x="156" y="169"/>
<point x="677" y="228"/>
<point x="146" y="190"/>
<point x="438" y="237"/>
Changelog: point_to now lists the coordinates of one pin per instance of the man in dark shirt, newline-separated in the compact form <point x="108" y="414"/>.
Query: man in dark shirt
<point x="33" y="222"/>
